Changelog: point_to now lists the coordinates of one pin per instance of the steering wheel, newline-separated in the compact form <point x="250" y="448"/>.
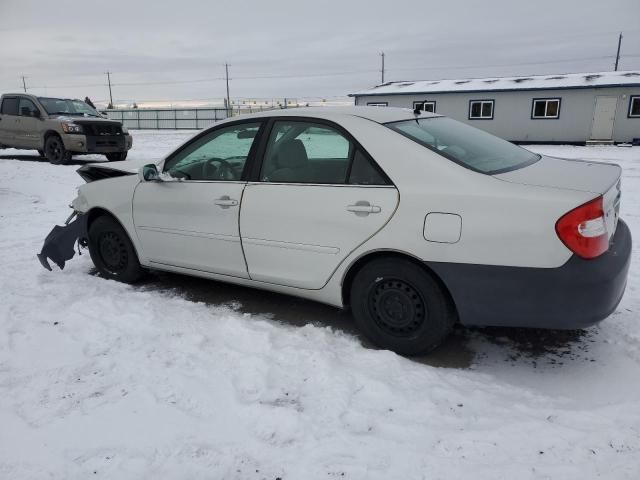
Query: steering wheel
<point x="223" y="171"/>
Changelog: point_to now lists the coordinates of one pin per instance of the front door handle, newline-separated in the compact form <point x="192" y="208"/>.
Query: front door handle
<point x="225" y="202"/>
<point x="362" y="208"/>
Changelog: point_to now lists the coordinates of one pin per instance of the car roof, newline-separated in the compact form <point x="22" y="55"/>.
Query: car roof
<point x="375" y="114"/>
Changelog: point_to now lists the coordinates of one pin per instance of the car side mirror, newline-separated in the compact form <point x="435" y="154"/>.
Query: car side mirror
<point x="149" y="173"/>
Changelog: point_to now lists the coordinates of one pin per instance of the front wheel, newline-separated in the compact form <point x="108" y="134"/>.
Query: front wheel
<point x="112" y="251"/>
<point x="55" y="151"/>
<point x="116" y="157"/>
<point x="399" y="306"/>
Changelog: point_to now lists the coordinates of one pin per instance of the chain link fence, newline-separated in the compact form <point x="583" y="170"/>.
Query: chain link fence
<point x="167" y="119"/>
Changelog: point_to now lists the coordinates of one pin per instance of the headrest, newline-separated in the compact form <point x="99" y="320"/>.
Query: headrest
<point x="291" y="154"/>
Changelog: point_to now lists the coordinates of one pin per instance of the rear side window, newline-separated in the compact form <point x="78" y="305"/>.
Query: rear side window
<point x="468" y="146"/>
<point x="307" y="152"/>
<point x="10" y="106"/>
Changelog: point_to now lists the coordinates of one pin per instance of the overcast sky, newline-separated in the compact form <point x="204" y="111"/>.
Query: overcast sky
<point x="297" y="48"/>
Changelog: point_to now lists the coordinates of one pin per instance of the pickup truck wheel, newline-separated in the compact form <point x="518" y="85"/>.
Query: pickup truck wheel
<point x="55" y="151"/>
<point x="400" y="306"/>
<point x="112" y="251"/>
<point x="116" y="157"/>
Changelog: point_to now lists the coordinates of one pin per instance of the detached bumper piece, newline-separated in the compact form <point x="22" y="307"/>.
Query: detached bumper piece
<point x="60" y="244"/>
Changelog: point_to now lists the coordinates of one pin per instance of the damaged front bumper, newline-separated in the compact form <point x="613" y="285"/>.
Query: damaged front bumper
<point x="60" y="244"/>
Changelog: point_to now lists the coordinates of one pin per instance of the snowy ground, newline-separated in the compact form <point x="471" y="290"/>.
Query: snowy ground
<point x="183" y="378"/>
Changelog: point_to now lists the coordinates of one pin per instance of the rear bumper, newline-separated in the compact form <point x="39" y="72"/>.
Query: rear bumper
<point x="578" y="294"/>
<point x="98" y="143"/>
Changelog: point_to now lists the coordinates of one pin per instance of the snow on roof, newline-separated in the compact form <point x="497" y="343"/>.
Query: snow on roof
<point x="525" y="82"/>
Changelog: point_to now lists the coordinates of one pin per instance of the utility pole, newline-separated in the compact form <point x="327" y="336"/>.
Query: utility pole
<point x="109" y="82"/>
<point x="382" y="70"/>
<point x="618" y="54"/>
<point x="24" y="84"/>
<point x="226" y="69"/>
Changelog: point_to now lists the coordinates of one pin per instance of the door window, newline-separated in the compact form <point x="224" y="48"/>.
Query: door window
<point x="27" y="108"/>
<point x="220" y="155"/>
<point x="10" y="106"/>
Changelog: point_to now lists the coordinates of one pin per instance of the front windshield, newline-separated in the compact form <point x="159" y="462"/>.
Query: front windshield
<point x="62" y="106"/>
<point x="468" y="146"/>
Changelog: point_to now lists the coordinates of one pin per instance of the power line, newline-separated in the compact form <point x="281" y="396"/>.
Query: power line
<point x="327" y="74"/>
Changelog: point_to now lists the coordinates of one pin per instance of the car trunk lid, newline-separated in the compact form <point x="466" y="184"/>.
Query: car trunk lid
<point x="594" y="177"/>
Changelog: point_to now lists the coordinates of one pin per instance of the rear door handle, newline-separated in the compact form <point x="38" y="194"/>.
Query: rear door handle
<point x="363" y="208"/>
<point x="225" y="202"/>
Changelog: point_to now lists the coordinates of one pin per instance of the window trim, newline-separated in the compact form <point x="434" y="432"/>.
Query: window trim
<point x="377" y="104"/>
<point x="545" y="99"/>
<point x="252" y="152"/>
<point x="492" y="101"/>
<point x="256" y="166"/>
<point x="632" y="99"/>
<point x="423" y="102"/>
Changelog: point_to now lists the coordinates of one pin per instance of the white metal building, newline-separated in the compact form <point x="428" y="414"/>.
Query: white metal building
<point x="567" y="108"/>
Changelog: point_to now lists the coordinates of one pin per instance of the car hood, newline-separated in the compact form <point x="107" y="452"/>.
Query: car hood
<point x="584" y="176"/>
<point x="76" y="118"/>
<point x="100" y="171"/>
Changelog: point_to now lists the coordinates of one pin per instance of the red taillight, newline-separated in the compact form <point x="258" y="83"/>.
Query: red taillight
<point x="583" y="230"/>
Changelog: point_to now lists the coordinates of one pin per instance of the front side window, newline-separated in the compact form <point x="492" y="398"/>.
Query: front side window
<point x="634" y="106"/>
<point x="545" y="108"/>
<point x="220" y="155"/>
<point x="10" y="106"/>
<point x="425" y="106"/>
<point x="26" y="108"/>
<point x="481" y="109"/>
<point x="307" y="152"/>
<point x="465" y="145"/>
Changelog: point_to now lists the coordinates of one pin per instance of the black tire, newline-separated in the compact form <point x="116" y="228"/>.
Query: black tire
<point x="55" y="151"/>
<point x="399" y="306"/>
<point x="116" y="157"/>
<point x="112" y="251"/>
<point x="41" y="153"/>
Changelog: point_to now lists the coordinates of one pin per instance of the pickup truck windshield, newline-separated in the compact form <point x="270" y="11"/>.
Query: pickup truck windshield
<point x="467" y="146"/>
<point x="62" y="106"/>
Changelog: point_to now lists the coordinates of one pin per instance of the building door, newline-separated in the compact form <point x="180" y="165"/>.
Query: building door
<point x="603" y="116"/>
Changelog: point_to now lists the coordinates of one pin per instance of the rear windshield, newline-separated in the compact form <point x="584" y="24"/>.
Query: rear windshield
<point x="468" y="146"/>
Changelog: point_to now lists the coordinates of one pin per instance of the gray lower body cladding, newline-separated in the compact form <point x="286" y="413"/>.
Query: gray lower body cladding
<point x="578" y="294"/>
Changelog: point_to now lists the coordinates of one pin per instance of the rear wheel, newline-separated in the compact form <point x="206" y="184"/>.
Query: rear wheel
<point x="116" y="157"/>
<point x="399" y="306"/>
<point x="112" y="251"/>
<point x="55" y="151"/>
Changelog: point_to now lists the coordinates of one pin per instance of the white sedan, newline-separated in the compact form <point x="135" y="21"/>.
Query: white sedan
<point x="413" y="220"/>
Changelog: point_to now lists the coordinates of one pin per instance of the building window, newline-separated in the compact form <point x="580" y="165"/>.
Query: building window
<point x="634" y="106"/>
<point x="545" y="108"/>
<point x="481" y="109"/>
<point x="425" y="106"/>
<point x="377" y="104"/>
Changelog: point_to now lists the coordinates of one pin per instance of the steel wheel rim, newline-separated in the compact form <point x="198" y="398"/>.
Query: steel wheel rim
<point x="397" y="307"/>
<point x="113" y="252"/>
